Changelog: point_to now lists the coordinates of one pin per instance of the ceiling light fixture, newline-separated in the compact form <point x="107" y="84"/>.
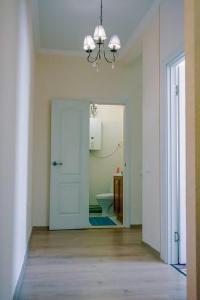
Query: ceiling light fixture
<point x="98" y="41"/>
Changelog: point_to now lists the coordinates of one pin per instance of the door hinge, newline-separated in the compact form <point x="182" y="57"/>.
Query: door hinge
<point x="177" y="90"/>
<point x="176" y="237"/>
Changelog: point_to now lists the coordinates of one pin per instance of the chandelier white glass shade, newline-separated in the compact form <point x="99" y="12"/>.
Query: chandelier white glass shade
<point x="89" y="44"/>
<point x="99" y="34"/>
<point x="114" y="43"/>
<point x="98" y="41"/>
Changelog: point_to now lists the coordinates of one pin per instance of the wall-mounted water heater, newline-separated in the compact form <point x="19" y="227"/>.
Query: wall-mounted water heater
<point x="95" y="142"/>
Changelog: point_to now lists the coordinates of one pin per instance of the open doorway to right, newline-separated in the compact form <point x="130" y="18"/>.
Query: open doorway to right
<point x="177" y="165"/>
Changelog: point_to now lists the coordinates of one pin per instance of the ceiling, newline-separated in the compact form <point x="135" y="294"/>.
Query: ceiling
<point x="62" y="24"/>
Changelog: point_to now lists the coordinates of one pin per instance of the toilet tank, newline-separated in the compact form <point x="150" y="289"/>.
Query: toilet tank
<point x="95" y="137"/>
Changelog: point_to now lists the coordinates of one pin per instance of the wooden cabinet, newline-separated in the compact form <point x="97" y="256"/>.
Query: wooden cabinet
<point x="118" y="197"/>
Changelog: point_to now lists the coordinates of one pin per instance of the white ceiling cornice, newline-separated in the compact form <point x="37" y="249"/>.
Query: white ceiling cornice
<point x="61" y="52"/>
<point x="138" y="32"/>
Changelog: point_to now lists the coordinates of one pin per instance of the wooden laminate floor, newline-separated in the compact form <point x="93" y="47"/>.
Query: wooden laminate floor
<point x="97" y="264"/>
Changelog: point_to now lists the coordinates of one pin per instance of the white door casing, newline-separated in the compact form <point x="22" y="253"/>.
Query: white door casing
<point x="69" y="197"/>
<point x="176" y="163"/>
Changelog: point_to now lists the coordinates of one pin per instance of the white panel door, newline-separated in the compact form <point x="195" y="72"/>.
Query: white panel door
<point x="69" y="199"/>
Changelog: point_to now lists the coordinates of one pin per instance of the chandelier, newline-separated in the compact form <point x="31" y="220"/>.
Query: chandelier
<point x="98" y="41"/>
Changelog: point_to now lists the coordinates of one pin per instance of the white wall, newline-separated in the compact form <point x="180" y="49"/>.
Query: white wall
<point x="151" y="175"/>
<point x="64" y="77"/>
<point x="103" y="169"/>
<point x="15" y="134"/>
<point x="162" y="41"/>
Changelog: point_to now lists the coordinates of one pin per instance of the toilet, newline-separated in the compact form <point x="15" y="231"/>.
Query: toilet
<point x="106" y="203"/>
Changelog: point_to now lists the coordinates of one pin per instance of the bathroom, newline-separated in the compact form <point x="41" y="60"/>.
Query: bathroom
<point x="106" y="161"/>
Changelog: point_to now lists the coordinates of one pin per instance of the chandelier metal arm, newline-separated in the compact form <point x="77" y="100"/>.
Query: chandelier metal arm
<point x="110" y="61"/>
<point x="91" y="59"/>
<point x="98" y="56"/>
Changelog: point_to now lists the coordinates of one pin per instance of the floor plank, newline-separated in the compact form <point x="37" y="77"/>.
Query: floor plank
<point x="97" y="264"/>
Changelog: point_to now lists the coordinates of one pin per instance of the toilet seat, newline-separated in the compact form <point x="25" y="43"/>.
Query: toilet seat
<point x="108" y="196"/>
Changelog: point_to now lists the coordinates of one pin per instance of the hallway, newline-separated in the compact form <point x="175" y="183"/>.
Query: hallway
<point x="97" y="264"/>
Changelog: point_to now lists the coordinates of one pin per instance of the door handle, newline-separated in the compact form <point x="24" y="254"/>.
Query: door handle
<point x="55" y="163"/>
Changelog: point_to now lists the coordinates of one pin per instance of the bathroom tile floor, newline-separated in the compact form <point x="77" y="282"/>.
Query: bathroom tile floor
<point x="93" y="264"/>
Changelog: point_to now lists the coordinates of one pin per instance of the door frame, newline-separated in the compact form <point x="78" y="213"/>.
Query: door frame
<point x="127" y="148"/>
<point x="126" y="153"/>
<point x="173" y="206"/>
<point x="165" y="96"/>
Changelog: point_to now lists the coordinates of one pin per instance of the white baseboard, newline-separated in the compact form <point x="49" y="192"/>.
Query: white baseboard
<point x="21" y="275"/>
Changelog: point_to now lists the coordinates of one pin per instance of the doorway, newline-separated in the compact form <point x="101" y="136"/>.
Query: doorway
<point x="72" y="141"/>
<point x="106" y="165"/>
<point x="177" y="164"/>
